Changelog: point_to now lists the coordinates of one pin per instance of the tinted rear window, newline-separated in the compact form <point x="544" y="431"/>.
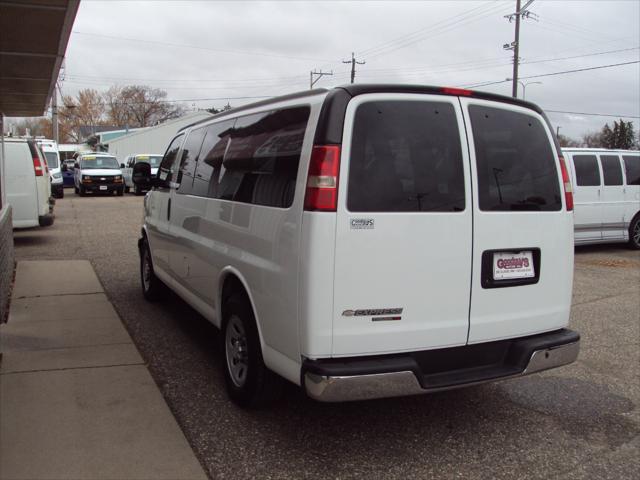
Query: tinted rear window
<point x="587" y="173"/>
<point x="515" y="160"/>
<point x="611" y="169"/>
<point x="632" y="167"/>
<point x="406" y="156"/>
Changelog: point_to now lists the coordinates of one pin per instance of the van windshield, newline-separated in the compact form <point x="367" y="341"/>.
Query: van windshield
<point x="515" y="161"/>
<point x="52" y="159"/>
<point x="97" y="162"/>
<point x="154" y="160"/>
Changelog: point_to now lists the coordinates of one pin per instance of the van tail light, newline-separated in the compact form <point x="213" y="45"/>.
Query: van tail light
<point x="566" y="181"/>
<point x="37" y="165"/>
<point x="322" y="181"/>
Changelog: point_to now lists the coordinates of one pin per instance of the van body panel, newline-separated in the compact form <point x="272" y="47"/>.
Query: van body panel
<point x="416" y="263"/>
<point x="498" y="313"/>
<point x="316" y="276"/>
<point x="21" y="186"/>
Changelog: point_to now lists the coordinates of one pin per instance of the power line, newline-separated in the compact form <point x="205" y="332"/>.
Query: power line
<point x="552" y="74"/>
<point x="423" y="31"/>
<point x="592" y="114"/>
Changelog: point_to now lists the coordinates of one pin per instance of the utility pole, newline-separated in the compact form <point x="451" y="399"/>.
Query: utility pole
<point x="353" y="66"/>
<point x="521" y="12"/>
<point x="319" y="74"/>
<point x="54" y="112"/>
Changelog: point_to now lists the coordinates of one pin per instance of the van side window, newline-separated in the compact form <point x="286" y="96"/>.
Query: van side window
<point x="168" y="166"/>
<point x="587" y="174"/>
<point x="611" y="169"/>
<point x="406" y="156"/>
<point x="632" y="167"/>
<point x="189" y="157"/>
<point x="261" y="161"/>
<point x="515" y="160"/>
<point x="205" y="183"/>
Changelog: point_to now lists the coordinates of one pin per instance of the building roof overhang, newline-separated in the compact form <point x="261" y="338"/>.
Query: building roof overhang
<point x="33" y="39"/>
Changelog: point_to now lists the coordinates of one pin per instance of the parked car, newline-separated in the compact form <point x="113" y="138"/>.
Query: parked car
<point x="50" y="150"/>
<point x="27" y="184"/>
<point x="606" y="191"/>
<point x="127" y="167"/>
<point x="368" y="241"/>
<point x="97" y="173"/>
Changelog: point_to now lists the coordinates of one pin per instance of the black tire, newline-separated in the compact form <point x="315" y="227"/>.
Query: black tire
<point x="75" y="189"/>
<point x="61" y="194"/>
<point x="256" y="386"/>
<point x="120" y="192"/>
<point x="634" y="233"/>
<point x="127" y="189"/>
<point x="152" y="287"/>
<point x="82" y="191"/>
<point x="136" y="190"/>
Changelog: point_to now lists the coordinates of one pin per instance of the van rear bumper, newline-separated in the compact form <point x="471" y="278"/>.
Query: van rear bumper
<point x="361" y="378"/>
<point x="46" y="220"/>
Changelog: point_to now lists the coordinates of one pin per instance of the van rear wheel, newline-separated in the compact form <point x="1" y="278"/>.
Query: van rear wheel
<point x="250" y="384"/>
<point x="634" y="233"/>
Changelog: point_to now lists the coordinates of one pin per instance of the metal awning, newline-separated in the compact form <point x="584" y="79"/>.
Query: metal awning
<point x="33" y="40"/>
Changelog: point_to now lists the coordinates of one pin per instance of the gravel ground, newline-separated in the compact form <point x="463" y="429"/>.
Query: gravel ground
<point x="580" y="421"/>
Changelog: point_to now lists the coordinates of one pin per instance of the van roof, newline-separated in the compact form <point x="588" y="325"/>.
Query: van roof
<point x="338" y="97"/>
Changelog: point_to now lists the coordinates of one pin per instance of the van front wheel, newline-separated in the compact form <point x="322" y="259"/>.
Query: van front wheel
<point x="634" y="233"/>
<point x="250" y="384"/>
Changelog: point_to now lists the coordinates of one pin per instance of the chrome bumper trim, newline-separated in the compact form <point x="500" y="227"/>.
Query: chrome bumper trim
<point x="396" y="384"/>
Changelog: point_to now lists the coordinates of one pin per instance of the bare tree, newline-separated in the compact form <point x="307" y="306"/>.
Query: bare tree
<point x="139" y="106"/>
<point x="86" y="109"/>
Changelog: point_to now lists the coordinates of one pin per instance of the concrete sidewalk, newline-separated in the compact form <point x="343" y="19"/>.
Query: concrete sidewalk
<point x="76" y="399"/>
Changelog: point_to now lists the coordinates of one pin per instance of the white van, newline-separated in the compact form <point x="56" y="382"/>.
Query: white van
<point x="606" y="191"/>
<point x="368" y="241"/>
<point x="127" y="168"/>
<point x="97" y="173"/>
<point x="50" y="150"/>
<point x="27" y="183"/>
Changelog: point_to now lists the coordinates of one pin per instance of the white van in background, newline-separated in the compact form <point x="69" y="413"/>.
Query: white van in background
<point x="50" y="150"/>
<point x="368" y="241"/>
<point x="606" y="192"/>
<point x="27" y="183"/>
<point x="153" y="159"/>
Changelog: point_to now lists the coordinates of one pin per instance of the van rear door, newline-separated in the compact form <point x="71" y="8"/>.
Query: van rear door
<point x="404" y="226"/>
<point x="522" y="232"/>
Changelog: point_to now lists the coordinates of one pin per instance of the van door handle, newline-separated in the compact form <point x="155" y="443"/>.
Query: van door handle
<point x="169" y="210"/>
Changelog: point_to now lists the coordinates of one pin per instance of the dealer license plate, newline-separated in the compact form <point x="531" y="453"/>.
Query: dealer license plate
<point x="103" y="187"/>
<point x="507" y="266"/>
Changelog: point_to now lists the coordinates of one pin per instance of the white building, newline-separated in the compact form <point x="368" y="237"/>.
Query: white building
<point x="152" y="139"/>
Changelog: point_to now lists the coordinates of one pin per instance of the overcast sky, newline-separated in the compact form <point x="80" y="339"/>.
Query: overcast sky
<point x="210" y="53"/>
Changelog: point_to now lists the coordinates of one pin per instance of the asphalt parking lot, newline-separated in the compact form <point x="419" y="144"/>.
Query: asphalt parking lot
<point x="581" y="421"/>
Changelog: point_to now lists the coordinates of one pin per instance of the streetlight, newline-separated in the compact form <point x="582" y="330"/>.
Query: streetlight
<point x="524" y="85"/>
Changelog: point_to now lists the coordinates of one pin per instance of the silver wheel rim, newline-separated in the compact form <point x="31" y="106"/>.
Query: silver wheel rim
<point x="236" y="351"/>
<point x="636" y="233"/>
<point x="146" y="270"/>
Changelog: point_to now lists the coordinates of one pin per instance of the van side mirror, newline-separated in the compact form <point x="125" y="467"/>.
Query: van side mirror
<point x="122" y="165"/>
<point x="141" y="176"/>
<point x="76" y="165"/>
